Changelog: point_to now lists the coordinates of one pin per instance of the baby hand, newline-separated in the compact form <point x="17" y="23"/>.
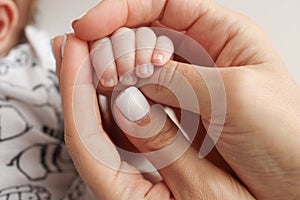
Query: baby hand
<point x="129" y="54"/>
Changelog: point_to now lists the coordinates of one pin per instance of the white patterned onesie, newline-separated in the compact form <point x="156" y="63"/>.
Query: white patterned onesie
<point x="33" y="159"/>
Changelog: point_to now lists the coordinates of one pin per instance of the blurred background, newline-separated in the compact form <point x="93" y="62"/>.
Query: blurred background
<point x="278" y="19"/>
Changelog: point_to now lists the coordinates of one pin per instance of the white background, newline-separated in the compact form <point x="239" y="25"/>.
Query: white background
<point x="279" y="19"/>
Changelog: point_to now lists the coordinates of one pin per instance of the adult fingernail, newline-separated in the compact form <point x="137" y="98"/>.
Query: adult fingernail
<point x="74" y="23"/>
<point x="132" y="104"/>
<point x="108" y="82"/>
<point x="63" y="44"/>
<point x="52" y="47"/>
<point x="144" y="70"/>
<point x="79" y="18"/>
<point x="128" y="79"/>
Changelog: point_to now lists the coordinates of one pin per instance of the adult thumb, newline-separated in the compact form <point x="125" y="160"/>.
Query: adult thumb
<point x="164" y="144"/>
<point x="189" y="87"/>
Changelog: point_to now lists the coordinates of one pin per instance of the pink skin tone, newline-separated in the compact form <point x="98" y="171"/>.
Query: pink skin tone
<point x="260" y="139"/>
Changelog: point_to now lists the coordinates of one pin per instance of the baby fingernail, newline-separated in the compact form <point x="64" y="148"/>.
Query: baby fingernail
<point x="132" y="104"/>
<point x="144" y="70"/>
<point x="108" y="82"/>
<point x="128" y="79"/>
<point x="159" y="58"/>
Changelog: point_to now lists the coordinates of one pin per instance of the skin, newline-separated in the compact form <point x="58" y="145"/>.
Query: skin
<point x="122" y="55"/>
<point x="14" y="15"/>
<point x="261" y="136"/>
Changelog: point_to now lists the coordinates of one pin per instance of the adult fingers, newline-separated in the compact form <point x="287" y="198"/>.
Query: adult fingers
<point x="217" y="29"/>
<point x="178" y="15"/>
<point x="94" y="155"/>
<point x="159" y="139"/>
<point x="108" y="16"/>
<point x="78" y="94"/>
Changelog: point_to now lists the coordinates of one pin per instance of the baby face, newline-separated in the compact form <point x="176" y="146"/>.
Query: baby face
<point x="14" y="15"/>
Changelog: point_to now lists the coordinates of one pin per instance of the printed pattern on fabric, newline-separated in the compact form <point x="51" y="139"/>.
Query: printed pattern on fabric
<point x="24" y="192"/>
<point x="34" y="163"/>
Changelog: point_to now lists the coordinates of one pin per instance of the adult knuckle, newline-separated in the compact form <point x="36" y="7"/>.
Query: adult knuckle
<point x="165" y="137"/>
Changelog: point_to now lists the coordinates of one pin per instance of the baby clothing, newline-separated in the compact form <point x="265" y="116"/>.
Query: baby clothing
<point x="34" y="163"/>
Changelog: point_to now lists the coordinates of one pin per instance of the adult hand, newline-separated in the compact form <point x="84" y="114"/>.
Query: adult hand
<point x="261" y="134"/>
<point x="106" y="174"/>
